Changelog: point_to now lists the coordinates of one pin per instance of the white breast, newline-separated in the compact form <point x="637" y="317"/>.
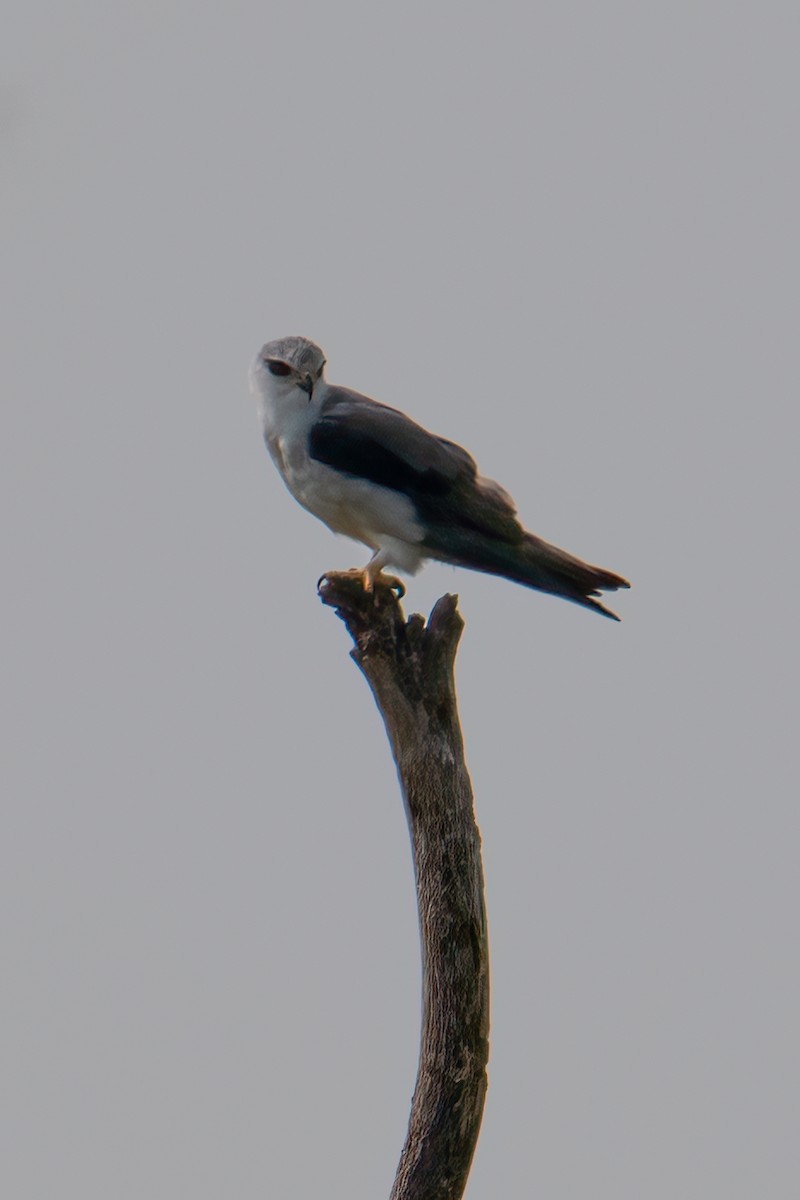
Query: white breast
<point x="355" y="507"/>
<point x="381" y="518"/>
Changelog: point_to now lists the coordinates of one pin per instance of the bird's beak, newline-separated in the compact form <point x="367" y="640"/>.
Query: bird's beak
<point x="307" y="384"/>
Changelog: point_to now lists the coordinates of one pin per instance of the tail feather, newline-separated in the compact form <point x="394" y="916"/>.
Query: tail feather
<point x="547" y="568"/>
<point x="535" y="564"/>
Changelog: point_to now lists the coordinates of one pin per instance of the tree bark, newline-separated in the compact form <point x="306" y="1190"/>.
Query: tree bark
<point x="409" y="667"/>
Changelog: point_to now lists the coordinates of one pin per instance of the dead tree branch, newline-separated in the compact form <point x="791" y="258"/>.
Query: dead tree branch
<point x="409" y="667"/>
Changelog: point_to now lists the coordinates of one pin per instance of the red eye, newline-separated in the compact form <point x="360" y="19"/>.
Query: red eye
<point x="276" y="367"/>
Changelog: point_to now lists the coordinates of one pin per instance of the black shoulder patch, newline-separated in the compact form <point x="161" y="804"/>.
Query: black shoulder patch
<point x="355" y="452"/>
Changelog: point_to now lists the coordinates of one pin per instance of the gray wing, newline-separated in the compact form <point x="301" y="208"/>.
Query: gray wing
<point x="467" y="520"/>
<point x="363" y="438"/>
<point x="353" y="427"/>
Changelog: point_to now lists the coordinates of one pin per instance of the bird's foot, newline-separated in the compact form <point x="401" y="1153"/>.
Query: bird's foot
<point x="372" y="580"/>
<point x="369" y="580"/>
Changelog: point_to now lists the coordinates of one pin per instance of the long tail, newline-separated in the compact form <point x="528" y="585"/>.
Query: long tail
<point x="536" y="564"/>
<point x="539" y="565"/>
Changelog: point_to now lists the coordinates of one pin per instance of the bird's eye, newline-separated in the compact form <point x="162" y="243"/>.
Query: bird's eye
<point x="278" y="368"/>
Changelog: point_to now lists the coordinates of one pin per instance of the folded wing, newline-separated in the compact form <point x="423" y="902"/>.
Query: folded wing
<point x="468" y="520"/>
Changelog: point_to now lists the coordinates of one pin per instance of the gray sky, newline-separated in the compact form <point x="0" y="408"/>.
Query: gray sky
<point x="565" y="236"/>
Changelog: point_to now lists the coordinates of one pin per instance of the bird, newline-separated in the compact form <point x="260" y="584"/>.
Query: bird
<point x="372" y="473"/>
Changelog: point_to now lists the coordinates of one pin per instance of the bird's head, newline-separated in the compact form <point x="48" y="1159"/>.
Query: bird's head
<point x="286" y="366"/>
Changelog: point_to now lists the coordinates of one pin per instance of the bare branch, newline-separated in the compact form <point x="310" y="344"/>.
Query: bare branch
<point x="409" y="667"/>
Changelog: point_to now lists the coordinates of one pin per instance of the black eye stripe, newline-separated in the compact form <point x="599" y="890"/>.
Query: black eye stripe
<point x="278" y="368"/>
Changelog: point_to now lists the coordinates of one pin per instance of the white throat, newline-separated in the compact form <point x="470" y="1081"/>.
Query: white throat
<point x="282" y="405"/>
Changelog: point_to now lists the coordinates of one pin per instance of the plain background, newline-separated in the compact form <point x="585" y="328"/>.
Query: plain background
<point x="564" y="235"/>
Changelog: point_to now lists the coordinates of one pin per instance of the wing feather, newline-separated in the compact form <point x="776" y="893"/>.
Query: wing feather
<point x="353" y="429"/>
<point x="363" y="438"/>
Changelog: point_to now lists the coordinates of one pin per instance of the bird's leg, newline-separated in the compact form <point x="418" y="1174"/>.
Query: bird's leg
<point x="373" y="573"/>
